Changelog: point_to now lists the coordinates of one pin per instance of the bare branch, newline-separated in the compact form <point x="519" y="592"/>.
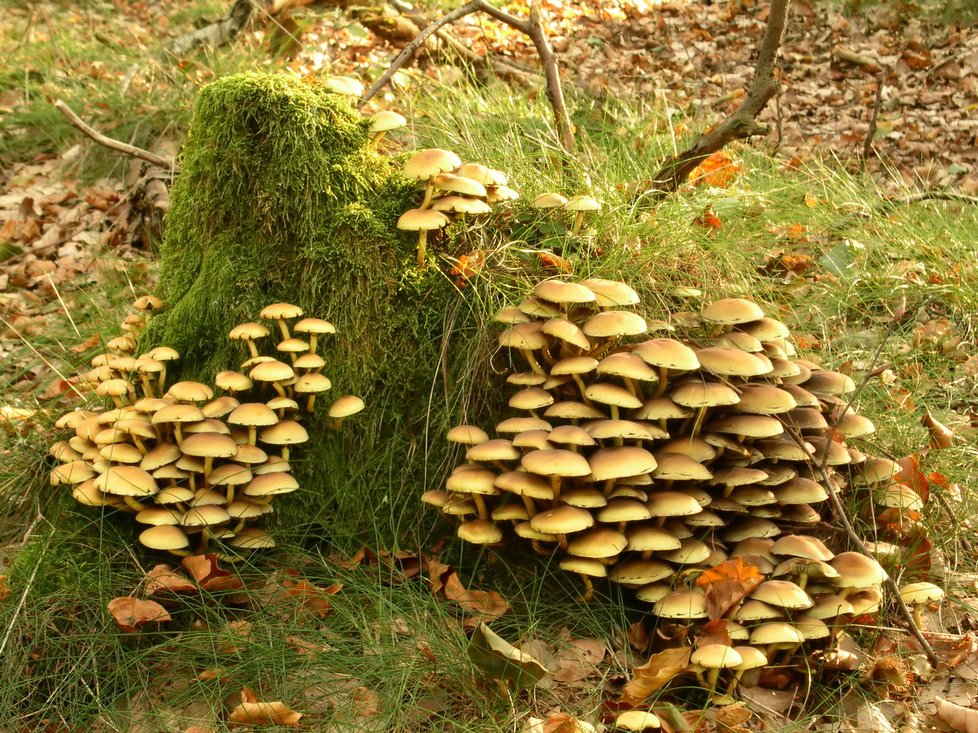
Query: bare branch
<point x="407" y="53"/>
<point x="839" y="510"/>
<point x="741" y="124"/>
<point x="532" y="27"/>
<point x="109" y="142"/>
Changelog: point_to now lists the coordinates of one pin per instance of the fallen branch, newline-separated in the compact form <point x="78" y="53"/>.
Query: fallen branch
<point x="532" y="28"/>
<point x="217" y="33"/>
<point x="741" y="124"/>
<point x="109" y="142"/>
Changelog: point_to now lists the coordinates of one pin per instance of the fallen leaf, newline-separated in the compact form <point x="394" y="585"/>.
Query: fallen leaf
<point x="130" y="613"/>
<point x="727" y="584"/>
<point x="708" y="219"/>
<point x="655" y="673"/>
<point x="263" y="713"/>
<point x="502" y="661"/>
<point x="208" y="574"/>
<point x="314" y="599"/>
<point x="941" y="436"/>
<point x="162" y="578"/>
<point x="482" y="606"/>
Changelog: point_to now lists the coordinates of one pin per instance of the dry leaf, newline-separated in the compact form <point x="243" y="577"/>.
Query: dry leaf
<point x="727" y="583"/>
<point x="941" y="436"/>
<point x="314" y="599"/>
<point x="656" y="673"/>
<point x="208" y="574"/>
<point x="958" y="717"/>
<point x="263" y="713"/>
<point x="482" y="605"/>
<point x="502" y="661"/>
<point x="162" y="578"/>
<point x="130" y="613"/>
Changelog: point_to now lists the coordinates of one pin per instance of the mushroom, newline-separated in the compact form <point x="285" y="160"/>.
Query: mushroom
<point x="343" y="408"/>
<point x="421" y="221"/>
<point x="918" y="595"/>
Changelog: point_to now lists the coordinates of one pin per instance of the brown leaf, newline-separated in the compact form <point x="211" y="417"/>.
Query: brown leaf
<point x="164" y="579"/>
<point x="714" y="632"/>
<point x="483" y="606"/>
<point x="313" y="598"/>
<point x="638" y="636"/>
<point x="911" y="475"/>
<point x="941" y="436"/>
<point x="656" y="673"/>
<point x="263" y="713"/>
<point x="208" y="575"/>
<point x="727" y="583"/>
<point x="130" y="613"/>
<point x="958" y="717"/>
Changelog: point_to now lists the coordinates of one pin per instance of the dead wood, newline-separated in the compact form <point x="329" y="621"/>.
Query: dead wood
<point x="532" y="27"/>
<point x="113" y="144"/>
<point x="217" y="33"/>
<point x="741" y="124"/>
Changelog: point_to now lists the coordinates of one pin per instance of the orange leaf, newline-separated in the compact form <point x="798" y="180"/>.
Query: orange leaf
<point x="313" y="598"/>
<point x="941" y="436"/>
<point x="483" y="605"/>
<point x="555" y="262"/>
<point x="209" y="576"/>
<point x="811" y="201"/>
<point x="911" y="475"/>
<point x="130" y="613"/>
<point x="264" y="713"/>
<point x="656" y="673"/>
<point x="716" y="170"/>
<point x="164" y="578"/>
<point x="727" y="583"/>
<point x="708" y="219"/>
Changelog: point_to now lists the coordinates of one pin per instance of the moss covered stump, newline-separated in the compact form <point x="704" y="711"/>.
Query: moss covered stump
<point x="282" y="198"/>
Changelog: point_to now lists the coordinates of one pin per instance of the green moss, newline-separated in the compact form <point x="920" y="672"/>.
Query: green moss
<point x="281" y="197"/>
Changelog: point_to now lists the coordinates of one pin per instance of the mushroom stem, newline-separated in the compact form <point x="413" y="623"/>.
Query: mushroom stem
<point x="917" y="619"/>
<point x="252" y="434"/>
<point x="711" y="679"/>
<point x="480" y="505"/>
<point x="147" y="385"/>
<point x="578" y="222"/>
<point x="736" y="679"/>
<point x="532" y="361"/>
<point x="422" y="241"/>
<point x="252" y="349"/>
<point x="310" y="402"/>
<point x="588" y="589"/>
<point x="663" y="382"/>
<point x="429" y="190"/>
<point x="555" y="485"/>
<point x="136" y="506"/>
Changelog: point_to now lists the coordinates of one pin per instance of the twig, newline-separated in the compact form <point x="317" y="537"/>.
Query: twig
<point x="871" y="133"/>
<point x="844" y="54"/>
<point x="839" y="509"/>
<point x="109" y="142"/>
<point x="407" y="53"/>
<point x="741" y="124"/>
<point x="532" y="28"/>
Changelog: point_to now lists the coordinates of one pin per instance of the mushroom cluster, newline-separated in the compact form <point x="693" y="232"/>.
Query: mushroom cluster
<point x="451" y="189"/>
<point x="189" y="464"/>
<point x="646" y="457"/>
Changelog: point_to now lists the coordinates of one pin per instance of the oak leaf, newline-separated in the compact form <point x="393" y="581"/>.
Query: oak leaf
<point x="727" y="584"/>
<point x="130" y="613"/>
<point x="655" y="674"/>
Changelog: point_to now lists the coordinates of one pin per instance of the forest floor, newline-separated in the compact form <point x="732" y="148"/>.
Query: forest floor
<point x="834" y="229"/>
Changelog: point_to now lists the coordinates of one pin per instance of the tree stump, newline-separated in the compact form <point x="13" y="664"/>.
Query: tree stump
<point x="282" y="197"/>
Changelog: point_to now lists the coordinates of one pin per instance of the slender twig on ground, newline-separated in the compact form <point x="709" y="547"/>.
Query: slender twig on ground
<point x="109" y="142"/>
<point x="532" y="28"/>
<point x="741" y="124"/>
<point x="839" y="510"/>
<point x="871" y="132"/>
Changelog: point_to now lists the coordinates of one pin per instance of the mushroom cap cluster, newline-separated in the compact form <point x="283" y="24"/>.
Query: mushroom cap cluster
<point x="452" y="189"/>
<point x="645" y="456"/>
<point x="188" y="461"/>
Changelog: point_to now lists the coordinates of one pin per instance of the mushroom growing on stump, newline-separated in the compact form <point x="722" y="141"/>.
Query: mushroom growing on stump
<point x="248" y="332"/>
<point x="426" y="164"/>
<point x="421" y="221"/>
<point x="280" y="312"/>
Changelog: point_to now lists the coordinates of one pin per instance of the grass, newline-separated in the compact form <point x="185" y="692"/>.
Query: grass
<point x="70" y="668"/>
